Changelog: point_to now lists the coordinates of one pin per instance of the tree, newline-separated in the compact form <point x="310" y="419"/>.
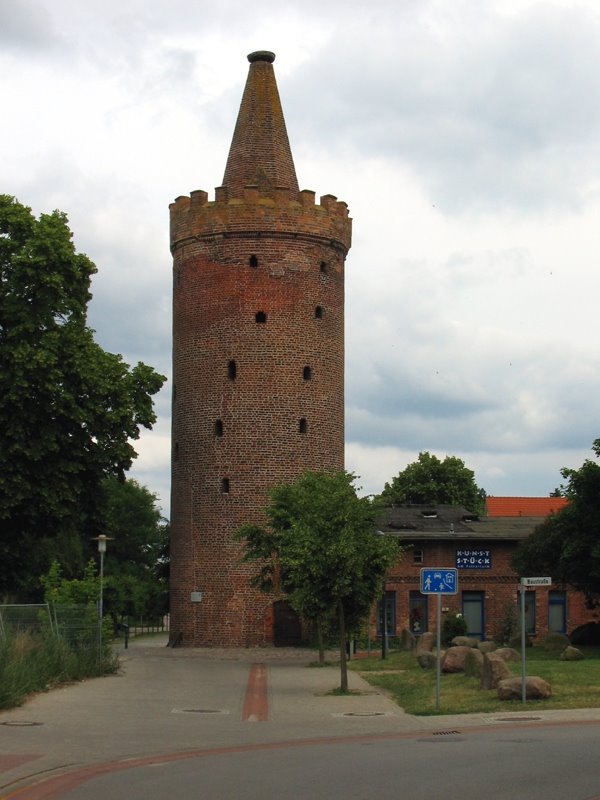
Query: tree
<point x="320" y="548"/>
<point x="68" y="409"/>
<point x="566" y="546"/>
<point x="135" y="581"/>
<point x="433" y="482"/>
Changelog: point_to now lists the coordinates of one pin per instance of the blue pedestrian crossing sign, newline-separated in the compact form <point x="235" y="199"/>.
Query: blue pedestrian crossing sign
<point x="443" y="580"/>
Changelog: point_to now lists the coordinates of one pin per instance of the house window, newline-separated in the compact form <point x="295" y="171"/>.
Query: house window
<point x="307" y="373"/>
<point x="390" y="615"/>
<point x="218" y="427"/>
<point x="231" y="370"/>
<point x="253" y="261"/>
<point x="260" y="316"/>
<point x="318" y="312"/>
<point x="225" y="485"/>
<point x="417" y="613"/>
<point x="323" y="267"/>
<point x="529" y="611"/>
<point x="557" y="612"/>
<point x="302" y="425"/>
<point x="417" y="555"/>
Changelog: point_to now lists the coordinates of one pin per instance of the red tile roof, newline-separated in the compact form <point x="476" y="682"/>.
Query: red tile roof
<point x="524" y="506"/>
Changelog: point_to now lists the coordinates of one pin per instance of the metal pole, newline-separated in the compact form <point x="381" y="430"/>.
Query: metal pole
<point x="439" y="648"/>
<point x="523" y="668"/>
<point x="384" y="640"/>
<point x="101" y="604"/>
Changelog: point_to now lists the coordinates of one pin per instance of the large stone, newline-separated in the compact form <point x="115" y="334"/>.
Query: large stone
<point x="474" y="663"/>
<point x="571" y="654"/>
<point x="508" y="654"/>
<point x="425" y="643"/>
<point x="427" y="660"/>
<point x="407" y="640"/>
<point x="464" y="641"/>
<point x="455" y="659"/>
<point x="493" y="670"/>
<point x="487" y="646"/>
<point x="535" y="689"/>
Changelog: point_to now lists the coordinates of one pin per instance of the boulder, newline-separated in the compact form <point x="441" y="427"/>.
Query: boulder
<point x="515" y="641"/>
<point x="407" y="640"/>
<point x="428" y="659"/>
<point x="493" y="670"/>
<point x="535" y="689"/>
<point x="474" y="663"/>
<point x="464" y="641"/>
<point x="555" y="642"/>
<point x="508" y="654"/>
<point x="455" y="659"/>
<point x="487" y="646"/>
<point x="425" y="643"/>
<point x="586" y="634"/>
<point x="571" y="654"/>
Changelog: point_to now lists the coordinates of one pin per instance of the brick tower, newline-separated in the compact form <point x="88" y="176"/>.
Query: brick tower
<point x="258" y="363"/>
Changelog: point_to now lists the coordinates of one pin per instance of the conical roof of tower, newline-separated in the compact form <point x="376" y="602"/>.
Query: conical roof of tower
<point x="260" y="153"/>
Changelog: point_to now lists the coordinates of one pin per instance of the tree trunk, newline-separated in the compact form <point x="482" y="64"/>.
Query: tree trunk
<point x="343" y="662"/>
<point x="320" y="641"/>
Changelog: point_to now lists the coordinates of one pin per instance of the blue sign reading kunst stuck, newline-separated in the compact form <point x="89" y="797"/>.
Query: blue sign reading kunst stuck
<point x="474" y="559"/>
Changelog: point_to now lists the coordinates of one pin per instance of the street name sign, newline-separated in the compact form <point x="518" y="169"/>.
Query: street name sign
<point x="442" y="580"/>
<point x="536" y="581"/>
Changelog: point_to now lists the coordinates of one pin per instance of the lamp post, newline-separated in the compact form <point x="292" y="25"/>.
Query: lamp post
<point x="102" y="539"/>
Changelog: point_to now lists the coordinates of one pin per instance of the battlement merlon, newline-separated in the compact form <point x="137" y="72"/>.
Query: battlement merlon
<point x="281" y="212"/>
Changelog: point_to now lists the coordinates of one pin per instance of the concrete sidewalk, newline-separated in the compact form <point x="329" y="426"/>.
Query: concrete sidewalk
<point x="166" y="701"/>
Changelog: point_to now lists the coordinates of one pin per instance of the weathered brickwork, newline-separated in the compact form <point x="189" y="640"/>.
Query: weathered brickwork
<point x="258" y="364"/>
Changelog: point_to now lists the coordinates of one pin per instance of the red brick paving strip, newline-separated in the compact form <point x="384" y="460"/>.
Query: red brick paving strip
<point x="256" y="702"/>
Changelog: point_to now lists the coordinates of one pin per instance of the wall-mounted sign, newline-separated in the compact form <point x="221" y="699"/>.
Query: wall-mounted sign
<point x="474" y="559"/>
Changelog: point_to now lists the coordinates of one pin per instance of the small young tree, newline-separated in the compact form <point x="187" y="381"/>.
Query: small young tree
<point x="320" y="548"/>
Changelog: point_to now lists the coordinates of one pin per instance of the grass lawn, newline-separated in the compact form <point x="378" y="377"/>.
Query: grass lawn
<point x="575" y="684"/>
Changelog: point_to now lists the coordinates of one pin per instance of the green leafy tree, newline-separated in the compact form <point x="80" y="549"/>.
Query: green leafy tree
<point x="566" y="546"/>
<point x="68" y="409"/>
<point x="136" y="583"/>
<point x="430" y="481"/>
<point x="320" y="548"/>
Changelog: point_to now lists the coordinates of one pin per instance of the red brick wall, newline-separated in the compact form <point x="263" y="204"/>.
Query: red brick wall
<point x="300" y="248"/>
<point x="499" y="585"/>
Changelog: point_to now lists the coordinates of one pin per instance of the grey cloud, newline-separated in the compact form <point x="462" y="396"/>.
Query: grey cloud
<point x="24" y="25"/>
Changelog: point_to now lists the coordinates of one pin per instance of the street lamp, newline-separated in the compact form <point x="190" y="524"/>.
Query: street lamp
<point x="102" y="539"/>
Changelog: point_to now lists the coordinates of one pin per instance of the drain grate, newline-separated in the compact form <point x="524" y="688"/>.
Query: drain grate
<point x="15" y="723"/>
<point x="199" y="711"/>
<point x="517" y="719"/>
<point x="446" y="733"/>
<point x="364" y="714"/>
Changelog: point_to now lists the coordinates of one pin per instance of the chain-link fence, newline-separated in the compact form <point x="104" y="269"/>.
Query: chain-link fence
<point x="77" y="624"/>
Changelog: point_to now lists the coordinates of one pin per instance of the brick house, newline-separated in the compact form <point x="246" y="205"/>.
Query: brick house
<point x="480" y="548"/>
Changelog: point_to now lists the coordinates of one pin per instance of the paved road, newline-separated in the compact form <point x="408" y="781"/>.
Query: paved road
<point x="258" y="723"/>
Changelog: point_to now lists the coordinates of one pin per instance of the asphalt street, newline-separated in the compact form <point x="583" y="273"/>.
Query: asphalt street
<point x="258" y="723"/>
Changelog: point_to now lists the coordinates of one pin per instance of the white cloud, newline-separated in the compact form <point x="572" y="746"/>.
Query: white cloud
<point x="463" y="137"/>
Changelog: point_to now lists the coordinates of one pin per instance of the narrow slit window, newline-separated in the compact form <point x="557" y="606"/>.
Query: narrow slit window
<point x="318" y="312"/>
<point x="231" y="370"/>
<point x="253" y="261"/>
<point x="219" y="427"/>
<point x="176" y="451"/>
<point x="302" y="426"/>
<point x="323" y="267"/>
<point x="307" y="373"/>
<point x="260" y="317"/>
<point x="225" y="485"/>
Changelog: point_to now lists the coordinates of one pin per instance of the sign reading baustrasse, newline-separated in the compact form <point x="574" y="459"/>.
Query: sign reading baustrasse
<point x="474" y="559"/>
<point x="536" y="581"/>
<point x="442" y="580"/>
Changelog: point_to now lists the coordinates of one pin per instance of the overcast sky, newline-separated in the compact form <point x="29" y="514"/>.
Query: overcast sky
<point x="465" y="138"/>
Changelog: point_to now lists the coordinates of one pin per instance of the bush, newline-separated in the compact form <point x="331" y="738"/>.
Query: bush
<point x="453" y="625"/>
<point x="36" y="661"/>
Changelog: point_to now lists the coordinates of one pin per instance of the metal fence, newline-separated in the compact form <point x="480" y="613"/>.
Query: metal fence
<point x="78" y="624"/>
